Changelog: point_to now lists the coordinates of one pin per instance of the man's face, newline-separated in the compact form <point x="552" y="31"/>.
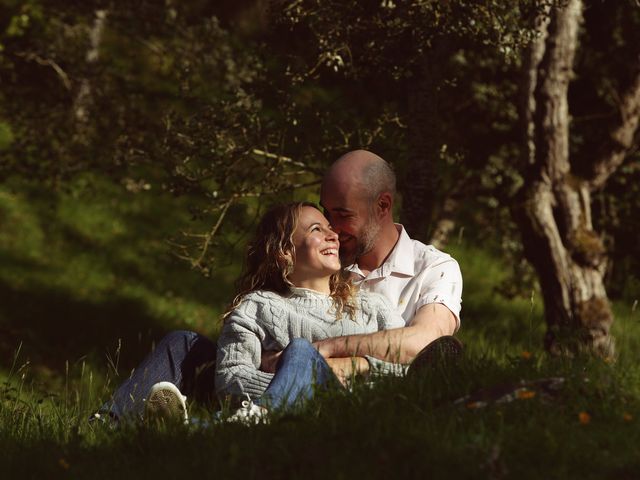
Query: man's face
<point x="351" y="217"/>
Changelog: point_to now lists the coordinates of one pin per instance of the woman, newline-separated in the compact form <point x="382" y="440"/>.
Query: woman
<point x="291" y="294"/>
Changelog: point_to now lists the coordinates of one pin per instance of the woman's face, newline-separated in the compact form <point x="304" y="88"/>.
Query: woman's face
<point x="317" y="247"/>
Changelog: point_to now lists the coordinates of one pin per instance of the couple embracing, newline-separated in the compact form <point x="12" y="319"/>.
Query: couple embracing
<point x="323" y="297"/>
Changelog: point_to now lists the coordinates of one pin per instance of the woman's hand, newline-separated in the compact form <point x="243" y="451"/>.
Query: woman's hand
<point x="347" y="367"/>
<point x="269" y="360"/>
<point x="324" y="347"/>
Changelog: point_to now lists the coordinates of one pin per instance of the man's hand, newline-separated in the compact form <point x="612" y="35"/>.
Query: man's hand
<point x="346" y="367"/>
<point x="270" y="360"/>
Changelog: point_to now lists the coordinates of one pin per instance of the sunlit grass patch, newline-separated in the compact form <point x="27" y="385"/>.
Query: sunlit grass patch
<point x="88" y="265"/>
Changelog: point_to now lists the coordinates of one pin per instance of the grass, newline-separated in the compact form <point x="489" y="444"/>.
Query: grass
<point x="85" y="272"/>
<point x="89" y="268"/>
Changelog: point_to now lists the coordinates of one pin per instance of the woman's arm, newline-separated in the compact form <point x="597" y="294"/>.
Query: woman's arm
<point x="238" y="359"/>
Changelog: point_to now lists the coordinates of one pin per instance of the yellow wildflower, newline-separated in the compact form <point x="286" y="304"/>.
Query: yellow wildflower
<point x="63" y="464"/>
<point x="526" y="355"/>
<point x="627" y="417"/>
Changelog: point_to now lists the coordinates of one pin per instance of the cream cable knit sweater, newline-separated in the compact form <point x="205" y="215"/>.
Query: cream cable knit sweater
<point x="267" y="321"/>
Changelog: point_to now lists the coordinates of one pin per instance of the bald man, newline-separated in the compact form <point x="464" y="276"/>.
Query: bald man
<point x="424" y="284"/>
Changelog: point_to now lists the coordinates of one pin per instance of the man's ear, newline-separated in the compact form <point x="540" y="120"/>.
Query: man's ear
<point x="385" y="204"/>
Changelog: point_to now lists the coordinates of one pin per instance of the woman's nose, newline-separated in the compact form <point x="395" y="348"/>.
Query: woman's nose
<point x="331" y="235"/>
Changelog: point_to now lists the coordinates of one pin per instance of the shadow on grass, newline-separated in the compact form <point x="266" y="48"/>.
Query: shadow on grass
<point x="53" y="327"/>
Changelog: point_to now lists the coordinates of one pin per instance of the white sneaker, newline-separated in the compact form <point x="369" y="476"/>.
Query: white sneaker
<point x="249" y="414"/>
<point x="166" y="402"/>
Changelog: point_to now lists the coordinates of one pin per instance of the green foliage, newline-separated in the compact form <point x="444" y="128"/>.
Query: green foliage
<point x="6" y="136"/>
<point x="393" y="38"/>
<point x="446" y="72"/>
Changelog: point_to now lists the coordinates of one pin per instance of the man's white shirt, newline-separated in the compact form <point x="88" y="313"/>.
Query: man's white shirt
<point x="415" y="275"/>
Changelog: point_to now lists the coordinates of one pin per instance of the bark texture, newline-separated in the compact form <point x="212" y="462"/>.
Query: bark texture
<point x="553" y="210"/>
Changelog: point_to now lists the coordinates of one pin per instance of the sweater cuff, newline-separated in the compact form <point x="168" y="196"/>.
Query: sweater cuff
<point x="257" y="384"/>
<point x="380" y="367"/>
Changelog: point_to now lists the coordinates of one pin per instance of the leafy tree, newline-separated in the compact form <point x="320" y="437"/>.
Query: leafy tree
<point x="420" y="61"/>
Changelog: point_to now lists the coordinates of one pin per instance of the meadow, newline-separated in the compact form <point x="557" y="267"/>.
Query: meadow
<point x="88" y="283"/>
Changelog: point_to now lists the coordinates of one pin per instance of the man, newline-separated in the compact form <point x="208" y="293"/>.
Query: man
<point x="425" y="284"/>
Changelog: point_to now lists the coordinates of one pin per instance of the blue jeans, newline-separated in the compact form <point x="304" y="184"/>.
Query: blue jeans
<point x="300" y="371"/>
<point x="183" y="358"/>
<point x="187" y="360"/>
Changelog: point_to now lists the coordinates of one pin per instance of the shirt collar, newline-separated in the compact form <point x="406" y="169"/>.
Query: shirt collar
<point x="400" y="260"/>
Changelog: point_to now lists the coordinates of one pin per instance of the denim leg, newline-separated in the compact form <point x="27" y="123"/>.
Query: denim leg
<point x="183" y="358"/>
<point x="299" y="371"/>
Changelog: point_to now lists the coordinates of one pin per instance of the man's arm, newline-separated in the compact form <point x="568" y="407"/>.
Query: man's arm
<point x="398" y="345"/>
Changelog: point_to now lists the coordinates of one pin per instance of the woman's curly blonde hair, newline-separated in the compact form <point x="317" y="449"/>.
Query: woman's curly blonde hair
<point x="268" y="261"/>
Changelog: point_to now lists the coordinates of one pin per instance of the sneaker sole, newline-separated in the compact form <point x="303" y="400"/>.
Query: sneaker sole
<point x="166" y="402"/>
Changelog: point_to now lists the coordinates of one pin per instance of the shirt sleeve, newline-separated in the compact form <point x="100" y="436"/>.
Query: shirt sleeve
<point x="239" y="357"/>
<point x="443" y="284"/>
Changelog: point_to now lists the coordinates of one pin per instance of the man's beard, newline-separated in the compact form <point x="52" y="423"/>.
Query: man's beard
<point x="364" y="243"/>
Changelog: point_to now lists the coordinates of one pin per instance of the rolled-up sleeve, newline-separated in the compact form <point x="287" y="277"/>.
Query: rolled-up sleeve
<point x="443" y="284"/>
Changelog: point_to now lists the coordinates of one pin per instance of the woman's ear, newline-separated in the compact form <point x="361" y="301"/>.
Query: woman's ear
<point x="285" y="261"/>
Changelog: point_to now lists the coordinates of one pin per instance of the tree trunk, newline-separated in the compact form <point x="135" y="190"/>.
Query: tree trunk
<point x="422" y="185"/>
<point x="83" y="102"/>
<point x="553" y="210"/>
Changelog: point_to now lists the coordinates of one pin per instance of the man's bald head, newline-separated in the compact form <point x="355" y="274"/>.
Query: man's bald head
<point x="364" y="171"/>
<point x="357" y="197"/>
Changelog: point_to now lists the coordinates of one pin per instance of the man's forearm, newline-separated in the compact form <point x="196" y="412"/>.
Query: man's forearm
<point x="399" y="345"/>
<point x="388" y="345"/>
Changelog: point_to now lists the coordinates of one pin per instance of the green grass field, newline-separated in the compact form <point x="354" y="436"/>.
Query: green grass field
<point x="87" y="285"/>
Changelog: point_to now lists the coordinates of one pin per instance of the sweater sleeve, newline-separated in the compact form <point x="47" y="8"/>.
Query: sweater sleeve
<point x="387" y="318"/>
<point x="381" y="367"/>
<point x="239" y="357"/>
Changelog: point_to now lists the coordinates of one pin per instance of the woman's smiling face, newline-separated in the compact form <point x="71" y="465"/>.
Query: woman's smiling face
<point x="316" y="248"/>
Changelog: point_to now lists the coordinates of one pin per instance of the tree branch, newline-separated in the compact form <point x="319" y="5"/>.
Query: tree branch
<point x="621" y="136"/>
<point x="47" y="62"/>
<point x="209" y="236"/>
